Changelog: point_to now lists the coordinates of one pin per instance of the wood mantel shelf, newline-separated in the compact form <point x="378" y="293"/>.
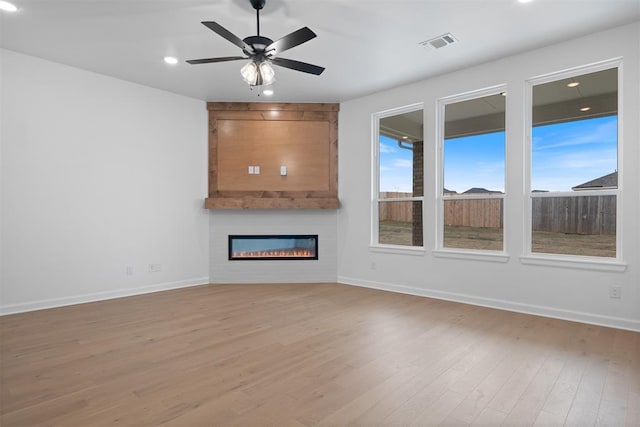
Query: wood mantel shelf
<point x="250" y="144"/>
<point x="271" y="203"/>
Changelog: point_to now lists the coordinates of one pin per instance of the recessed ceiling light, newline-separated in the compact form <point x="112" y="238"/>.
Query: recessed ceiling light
<point x="573" y="84"/>
<point x="525" y="1"/>
<point x="170" y="60"/>
<point x="267" y="92"/>
<point x="7" y="7"/>
<point x="405" y="137"/>
<point x="585" y="109"/>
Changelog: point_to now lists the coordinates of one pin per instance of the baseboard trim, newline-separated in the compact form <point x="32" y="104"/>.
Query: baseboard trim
<point x="99" y="296"/>
<point x="575" y="316"/>
<point x="267" y="282"/>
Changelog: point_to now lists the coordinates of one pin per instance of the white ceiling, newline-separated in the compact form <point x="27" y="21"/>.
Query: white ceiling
<point x="366" y="46"/>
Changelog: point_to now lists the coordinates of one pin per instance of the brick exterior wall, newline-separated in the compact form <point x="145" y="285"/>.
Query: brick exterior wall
<point x="418" y="190"/>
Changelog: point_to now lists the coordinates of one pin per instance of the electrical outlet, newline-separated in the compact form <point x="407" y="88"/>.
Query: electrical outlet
<point x="615" y="292"/>
<point x="155" y="268"/>
<point x="129" y="270"/>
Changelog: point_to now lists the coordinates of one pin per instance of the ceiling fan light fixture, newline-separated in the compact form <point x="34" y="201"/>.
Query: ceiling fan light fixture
<point x="267" y="73"/>
<point x="250" y="73"/>
<point x="258" y="74"/>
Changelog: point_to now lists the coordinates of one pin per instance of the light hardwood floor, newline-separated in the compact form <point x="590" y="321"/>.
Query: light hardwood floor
<point x="310" y="354"/>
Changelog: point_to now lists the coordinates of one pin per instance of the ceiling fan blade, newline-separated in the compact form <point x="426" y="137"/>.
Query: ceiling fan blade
<point x="298" y="66"/>
<point x="294" y="39"/>
<point x="221" y="59"/>
<point x="220" y="30"/>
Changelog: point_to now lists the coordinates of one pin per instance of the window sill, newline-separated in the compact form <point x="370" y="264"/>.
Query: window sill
<point x="396" y="249"/>
<point x="471" y="255"/>
<point x="576" y="262"/>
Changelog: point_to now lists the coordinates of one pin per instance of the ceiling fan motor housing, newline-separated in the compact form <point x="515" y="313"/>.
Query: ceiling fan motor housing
<point x="258" y="4"/>
<point x="258" y="43"/>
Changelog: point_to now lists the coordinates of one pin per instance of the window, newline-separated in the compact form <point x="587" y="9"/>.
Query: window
<point x="399" y="179"/>
<point x="472" y="151"/>
<point x="574" y="163"/>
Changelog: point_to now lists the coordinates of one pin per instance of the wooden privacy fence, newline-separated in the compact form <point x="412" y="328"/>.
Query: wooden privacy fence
<point x="467" y="213"/>
<point x="473" y="213"/>
<point x="575" y="215"/>
<point x="572" y="215"/>
<point x="395" y="211"/>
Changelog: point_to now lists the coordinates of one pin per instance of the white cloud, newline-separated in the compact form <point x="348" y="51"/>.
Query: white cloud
<point x="384" y="148"/>
<point x="605" y="133"/>
<point x="402" y="163"/>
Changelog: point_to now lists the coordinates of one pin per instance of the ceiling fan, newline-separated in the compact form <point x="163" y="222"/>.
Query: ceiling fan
<point x="262" y="51"/>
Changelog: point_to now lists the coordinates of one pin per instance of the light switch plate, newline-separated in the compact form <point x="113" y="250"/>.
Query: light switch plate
<point x="283" y="170"/>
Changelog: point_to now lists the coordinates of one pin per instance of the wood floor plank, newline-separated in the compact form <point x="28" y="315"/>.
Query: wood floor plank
<point x="310" y="355"/>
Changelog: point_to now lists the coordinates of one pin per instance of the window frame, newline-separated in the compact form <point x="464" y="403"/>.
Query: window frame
<point x="570" y="260"/>
<point x="374" y="243"/>
<point x="462" y="253"/>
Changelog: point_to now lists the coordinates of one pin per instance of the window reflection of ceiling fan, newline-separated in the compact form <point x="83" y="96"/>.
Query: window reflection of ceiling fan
<point x="262" y="51"/>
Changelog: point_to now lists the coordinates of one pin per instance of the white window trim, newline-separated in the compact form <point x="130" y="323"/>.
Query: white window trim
<point x="460" y="253"/>
<point x="563" y="260"/>
<point x="374" y="244"/>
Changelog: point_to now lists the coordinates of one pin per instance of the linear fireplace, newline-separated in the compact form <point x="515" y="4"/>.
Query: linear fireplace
<point x="273" y="247"/>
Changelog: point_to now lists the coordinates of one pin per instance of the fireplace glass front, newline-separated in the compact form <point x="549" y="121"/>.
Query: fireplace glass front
<point x="273" y="247"/>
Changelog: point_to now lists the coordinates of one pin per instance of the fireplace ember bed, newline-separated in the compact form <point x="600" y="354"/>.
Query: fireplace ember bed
<point x="273" y="247"/>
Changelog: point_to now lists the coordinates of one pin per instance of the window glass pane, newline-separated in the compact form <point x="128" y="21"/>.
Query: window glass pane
<point x="473" y="224"/>
<point x="401" y="155"/>
<point x="400" y="223"/>
<point x="579" y="225"/>
<point x="574" y="148"/>
<point x="575" y="155"/>
<point x="474" y="140"/>
<point x="474" y="164"/>
<point x="574" y="140"/>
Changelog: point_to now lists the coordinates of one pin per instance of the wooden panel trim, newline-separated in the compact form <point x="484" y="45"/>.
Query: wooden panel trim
<point x="271" y="106"/>
<point x="271" y="203"/>
<point x="263" y="111"/>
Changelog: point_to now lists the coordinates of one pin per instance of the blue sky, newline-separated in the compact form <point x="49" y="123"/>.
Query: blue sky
<point x="563" y="155"/>
<point x="568" y="154"/>
<point x="396" y="166"/>
<point x="474" y="161"/>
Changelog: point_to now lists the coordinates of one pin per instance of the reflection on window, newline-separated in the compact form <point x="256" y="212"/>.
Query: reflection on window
<point x="473" y="156"/>
<point x="574" y="158"/>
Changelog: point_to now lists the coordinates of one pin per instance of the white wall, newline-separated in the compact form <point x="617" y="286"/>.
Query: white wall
<point x="97" y="174"/>
<point x="566" y="292"/>
<point x="320" y="222"/>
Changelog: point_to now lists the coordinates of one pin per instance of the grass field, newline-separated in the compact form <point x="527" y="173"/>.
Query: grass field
<point x="399" y="233"/>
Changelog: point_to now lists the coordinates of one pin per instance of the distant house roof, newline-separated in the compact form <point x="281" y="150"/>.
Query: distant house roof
<point x="476" y="190"/>
<point x="607" y="181"/>
<point x="446" y="191"/>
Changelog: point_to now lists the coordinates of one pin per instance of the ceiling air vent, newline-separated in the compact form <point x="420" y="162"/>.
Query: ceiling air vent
<point x="440" y="41"/>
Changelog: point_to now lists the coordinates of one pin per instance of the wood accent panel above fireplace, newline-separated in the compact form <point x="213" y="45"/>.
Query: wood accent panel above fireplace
<point x="249" y="143"/>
